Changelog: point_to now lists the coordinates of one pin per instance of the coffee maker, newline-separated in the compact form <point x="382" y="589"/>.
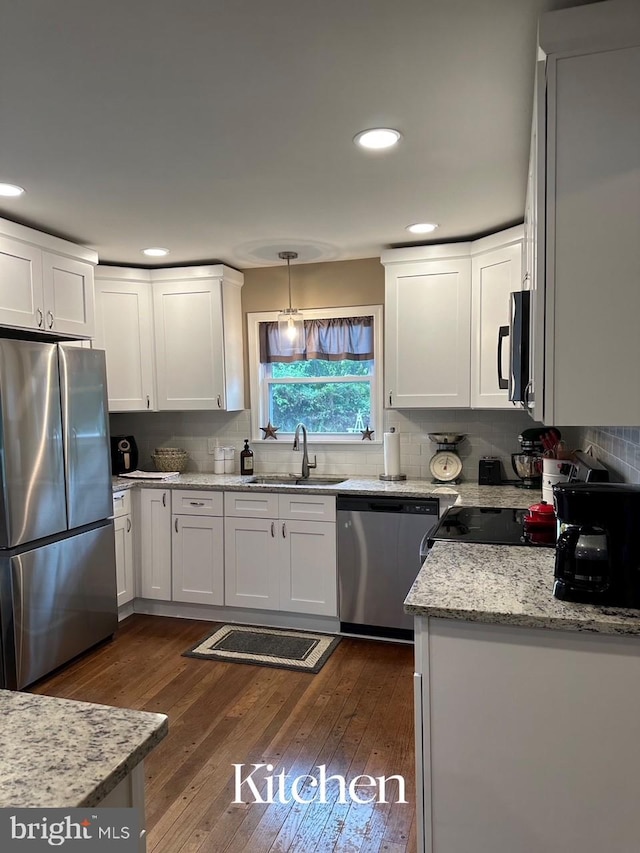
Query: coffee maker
<point x="598" y="549"/>
<point x="528" y="463"/>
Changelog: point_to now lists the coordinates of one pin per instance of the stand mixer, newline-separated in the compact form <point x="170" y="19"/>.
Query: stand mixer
<point x="528" y="463"/>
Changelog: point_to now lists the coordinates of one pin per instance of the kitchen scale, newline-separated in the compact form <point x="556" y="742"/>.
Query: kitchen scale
<point x="445" y="464"/>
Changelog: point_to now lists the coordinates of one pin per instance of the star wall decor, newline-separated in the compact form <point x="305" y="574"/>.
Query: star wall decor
<point x="269" y="431"/>
<point x="367" y="433"/>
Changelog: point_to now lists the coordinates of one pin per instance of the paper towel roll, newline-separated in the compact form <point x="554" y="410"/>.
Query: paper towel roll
<point x="392" y="454"/>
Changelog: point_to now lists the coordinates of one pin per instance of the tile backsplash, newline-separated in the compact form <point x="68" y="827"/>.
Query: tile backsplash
<point x="616" y="447"/>
<point x="489" y="433"/>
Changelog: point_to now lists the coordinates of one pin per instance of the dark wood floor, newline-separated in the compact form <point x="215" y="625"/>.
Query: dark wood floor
<point x="355" y="716"/>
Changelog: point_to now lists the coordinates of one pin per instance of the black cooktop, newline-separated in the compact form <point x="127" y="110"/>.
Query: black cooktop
<point x="489" y="526"/>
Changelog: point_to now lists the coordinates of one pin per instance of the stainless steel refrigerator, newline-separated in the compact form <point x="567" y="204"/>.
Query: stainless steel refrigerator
<point x="57" y="550"/>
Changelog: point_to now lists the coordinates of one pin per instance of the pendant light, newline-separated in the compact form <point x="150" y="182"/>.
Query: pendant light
<point x="290" y="320"/>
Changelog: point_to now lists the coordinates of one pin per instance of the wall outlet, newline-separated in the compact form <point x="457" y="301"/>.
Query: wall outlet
<point x="211" y="445"/>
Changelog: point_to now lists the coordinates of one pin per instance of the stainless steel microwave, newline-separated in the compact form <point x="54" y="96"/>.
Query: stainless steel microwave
<point x="520" y="347"/>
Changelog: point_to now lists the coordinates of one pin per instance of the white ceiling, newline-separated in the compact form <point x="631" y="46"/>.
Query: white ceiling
<point x="222" y="129"/>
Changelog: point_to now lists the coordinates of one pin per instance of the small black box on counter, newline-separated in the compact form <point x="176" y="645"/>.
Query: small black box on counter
<point x="489" y="471"/>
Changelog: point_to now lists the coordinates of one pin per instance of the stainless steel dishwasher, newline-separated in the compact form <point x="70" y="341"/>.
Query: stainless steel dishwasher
<point x="379" y="546"/>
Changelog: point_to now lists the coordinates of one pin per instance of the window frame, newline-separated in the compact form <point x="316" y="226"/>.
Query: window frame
<point x="259" y="386"/>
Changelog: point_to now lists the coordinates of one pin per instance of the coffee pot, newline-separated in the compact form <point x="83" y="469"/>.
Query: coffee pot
<point x="598" y="550"/>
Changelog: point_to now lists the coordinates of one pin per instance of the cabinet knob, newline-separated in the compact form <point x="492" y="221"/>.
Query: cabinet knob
<point x="273" y="529"/>
<point x="50" y="319"/>
<point x="284" y="530"/>
<point x="40" y="317"/>
<point x="196" y="503"/>
<point x="128" y="525"/>
<point x="148" y="401"/>
<point x="390" y="398"/>
<point x="219" y="401"/>
<point x="176" y="525"/>
<point x="164" y="499"/>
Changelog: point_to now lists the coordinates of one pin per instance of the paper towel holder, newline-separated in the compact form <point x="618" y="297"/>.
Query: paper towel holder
<point x="392" y="478"/>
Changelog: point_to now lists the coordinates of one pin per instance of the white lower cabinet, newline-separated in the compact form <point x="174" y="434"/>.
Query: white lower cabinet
<point x="284" y="562"/>
<point x="527" y="739"/>
<point x="123" y="531"/>
<point x="197" y="556"/>
<point x="308" y="567"/>
<point x="155" y="544"/>
<point x="251" y="563"/>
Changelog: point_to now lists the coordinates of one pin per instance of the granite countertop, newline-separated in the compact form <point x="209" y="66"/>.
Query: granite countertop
<point x="507" y="585"/>
<point x="59" y="753"/>
<point x="470" y="494"/>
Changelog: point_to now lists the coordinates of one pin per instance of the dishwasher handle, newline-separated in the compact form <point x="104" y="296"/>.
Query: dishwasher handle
<point x="408" y="506"/>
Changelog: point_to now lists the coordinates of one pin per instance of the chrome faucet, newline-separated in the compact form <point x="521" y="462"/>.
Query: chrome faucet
<point x="306" y="465"/>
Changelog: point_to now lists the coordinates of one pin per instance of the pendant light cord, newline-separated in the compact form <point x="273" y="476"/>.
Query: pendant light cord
<point x="288" y="256"/>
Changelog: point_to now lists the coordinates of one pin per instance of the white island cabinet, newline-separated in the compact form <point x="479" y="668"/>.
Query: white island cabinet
<point x="43" y="767"/>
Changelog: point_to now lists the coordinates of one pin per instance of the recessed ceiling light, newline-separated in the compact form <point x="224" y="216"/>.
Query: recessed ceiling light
<point x="155" y="252"/>
<point x="10" y="190"/>
<point x="377" y="138"/>
<point x="422" y="227"/>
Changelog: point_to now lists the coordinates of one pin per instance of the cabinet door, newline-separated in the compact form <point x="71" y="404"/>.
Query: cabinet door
<point x="189" y="344"/>
<point x="124" y="332"/>
<point x="155" y="544"/>
<point x="124" y="558"/>
<point x="251" y="552"/>
<point x="197" y="559"/>
<point x="428" y="308"/>
<point x="21" y="297"/>
<point x="308" y="575"/>
<point x="68" y="295"/>
<point x="592" y="297"/>
<point x="494" y="275"/>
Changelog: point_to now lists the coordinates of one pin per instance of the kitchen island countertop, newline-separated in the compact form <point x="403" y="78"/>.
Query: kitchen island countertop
<point x="470" y="494"/>
<point x="507" y="585"/>
<point x="60" y="753"/>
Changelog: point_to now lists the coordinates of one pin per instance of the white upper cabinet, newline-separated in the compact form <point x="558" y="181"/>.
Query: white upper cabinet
<point x="446" y="309"/>
<point x="590" y="293"/>
<point x="124" y="329"/>
<point x="46" y="284"/>
<point x="198" y="338"/>
<point x="173" y="337"/>
<point x="496" y="271"/>
<point x="21" y="298"/>
<point x="427" y="311"/>
<point x="68" y="295"/>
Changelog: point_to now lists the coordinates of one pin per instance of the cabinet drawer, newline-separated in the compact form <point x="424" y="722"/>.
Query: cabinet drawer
<point x="190" y="502"/>
<point x="251" y="505"/>
<point x="307" y="507"/>
<point x="121" y="503"/>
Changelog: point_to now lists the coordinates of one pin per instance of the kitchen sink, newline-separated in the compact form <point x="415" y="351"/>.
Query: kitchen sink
<point x="293" y="480"/>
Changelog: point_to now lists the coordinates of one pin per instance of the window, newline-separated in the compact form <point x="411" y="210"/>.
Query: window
<point x="333" y="386"/>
